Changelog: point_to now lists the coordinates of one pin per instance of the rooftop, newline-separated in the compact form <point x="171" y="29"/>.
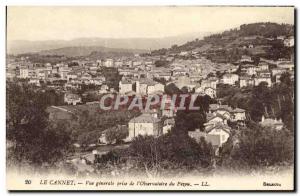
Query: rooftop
<point x="144" y="118"/>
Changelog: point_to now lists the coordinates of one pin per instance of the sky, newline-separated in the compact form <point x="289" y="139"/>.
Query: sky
<point x="65" y="23"/>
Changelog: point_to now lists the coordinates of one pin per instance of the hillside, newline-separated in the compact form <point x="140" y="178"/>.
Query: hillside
<point x="257" y="39"/>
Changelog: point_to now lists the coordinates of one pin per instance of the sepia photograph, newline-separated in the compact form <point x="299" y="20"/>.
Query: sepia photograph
<point x="150" y="98"/>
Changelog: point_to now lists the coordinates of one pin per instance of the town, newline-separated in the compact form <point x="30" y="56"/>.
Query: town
<point x="76" y="85"/>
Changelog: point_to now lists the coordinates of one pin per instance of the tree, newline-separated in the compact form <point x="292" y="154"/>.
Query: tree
<point x="171" y="89"/>
<point x="36" y="142"/>
<point x="116" y="134"/>
<point x="161" y="63"/>
<point x="189" y="120"/>
<point x="170" y="151"/>
<point x="285" y="78"/>
<point x="258" y="146"/>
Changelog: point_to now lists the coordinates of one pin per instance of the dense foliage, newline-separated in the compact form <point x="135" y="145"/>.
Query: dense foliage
<point x="274" y="102"/>
<point x="259" y="147"/>
<point x="34" y="141"/>
<point x="230" y="45"/>
<point x="158" y="156"/>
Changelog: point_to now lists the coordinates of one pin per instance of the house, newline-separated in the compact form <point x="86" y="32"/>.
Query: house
<point x="238" y="114"/>
<point x="281" y="37"/>
<point x="278" y="76"/>
<point x="289" y="42"/>
<point x="246" y="58"/>
<point x="197" y="135"/>
<point x="184" y="53"/>
<point x="86" y="76"/>
<point x="109" y="63"/>
<point x="246" y="81"/>
<point x="141" y="86"/>
<point x="34" y="81"/>
<point x="211" y="82"/>
<point x="225" y="111"/>
<point x="102" y="139"/>
<point x="72" y="99"/>
<point x="213" y="119"/>
<point x="42" y="74"/>
<point x="147" y="86"/>
<point x="93" y="69"/>
<point x="72" y="76"/>
<point x="24" y="72"/>
<point x="276" y="71"/>
<point x="118" y="63"/>
<point x="217" y="135"/>
<point x="196" y="77"/>
<point x="184" y="81"/>
<point x="198" y="89"/>
<point x="165" y="75"/>
<point x="213" y="107"/>
<point x="260" y="79"/>
<point x="136" y="63"/>
<point x="273" y="123"/>
<point x="264" y="73"/>
<point x="98" y="80"/>
<point x="210" y="92"/>
<point x="230" y="79"/>
<point x="178" y="72"/>
<point x="103" y="89"/>
<point x="63" y="72"/>
<point x="221" y="130"/>
<point x="125" y="86"/>
<point x="248" y="69"/>
<point x="262" y="66"/>
<point x="286" y="65"/>
<point x="169" y="123"/>
<point x="155" y="88"/>
<point x="145" y="124"/>
<point x="168" y="110"/>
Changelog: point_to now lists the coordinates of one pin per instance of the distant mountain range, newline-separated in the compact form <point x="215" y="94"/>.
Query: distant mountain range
<point x="91" y="50"/>
<point x="98" y="44"/>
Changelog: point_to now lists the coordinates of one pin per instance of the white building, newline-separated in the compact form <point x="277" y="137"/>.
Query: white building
<point x="289" y="42"/>
<point x="154" y="88"/>
<point x="72" y="99"/>
<point x="286" y="65"/>
<point x="145" y="124"/>
<point x="273" y="123"/>
<point x="125" y="86"/>
<point x="210" y="92"/>
<point x="249" y="69"/>
<point x="63" y="72"/>
<point x="109" y="63"/>
<point x="230" y="79"/>
<point x="238" y="114"/>
<point x="24" y="72"/>
<point x="258" y="80"/>
<point x="221" y="131"/>
<point x="246" y="81"/>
